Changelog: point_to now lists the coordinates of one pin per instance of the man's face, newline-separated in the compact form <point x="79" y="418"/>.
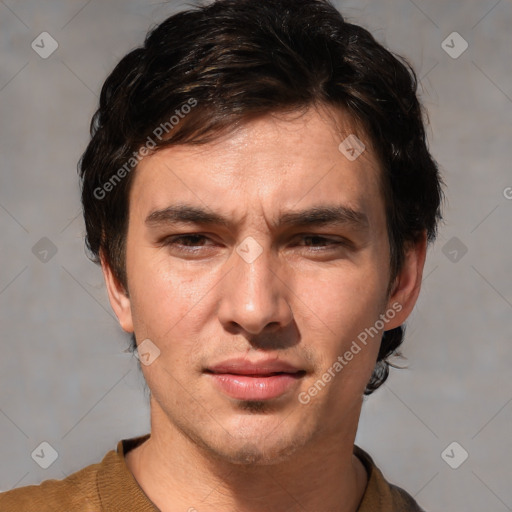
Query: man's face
<point x="270" y="287"/>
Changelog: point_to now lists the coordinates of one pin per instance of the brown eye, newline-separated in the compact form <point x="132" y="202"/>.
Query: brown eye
<point x="191" y="244"/>
<point x="321" y="242"/>
<point x="189" y="240"/>
<point x="317" y="240"/>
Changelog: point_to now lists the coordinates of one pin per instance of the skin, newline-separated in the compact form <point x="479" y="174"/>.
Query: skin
<point x="302" y="300"/>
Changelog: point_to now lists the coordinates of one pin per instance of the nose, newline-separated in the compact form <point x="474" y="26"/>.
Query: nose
<point x="255" y="296"/>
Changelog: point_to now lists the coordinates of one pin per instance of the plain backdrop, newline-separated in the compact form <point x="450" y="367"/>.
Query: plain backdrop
<point x="65" y="377"/>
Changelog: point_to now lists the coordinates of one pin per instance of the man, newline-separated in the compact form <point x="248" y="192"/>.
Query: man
<point x="260" y="196"/>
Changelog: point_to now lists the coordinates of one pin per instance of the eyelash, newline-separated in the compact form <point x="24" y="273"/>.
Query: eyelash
<point x="175" y="241"/>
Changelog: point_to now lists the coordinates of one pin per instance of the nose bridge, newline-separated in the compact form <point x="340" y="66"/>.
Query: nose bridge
<point x="253" y="295"/>
<point x="254" y="278"/>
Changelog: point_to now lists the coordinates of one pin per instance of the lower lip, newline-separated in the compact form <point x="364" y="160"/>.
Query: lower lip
<point x="245" y="387"/>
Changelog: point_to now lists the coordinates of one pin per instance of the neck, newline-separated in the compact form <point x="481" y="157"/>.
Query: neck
<point x="178" y="474"/>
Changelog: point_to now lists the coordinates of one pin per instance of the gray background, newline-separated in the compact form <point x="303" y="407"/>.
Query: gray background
<point x="65" y="377"/>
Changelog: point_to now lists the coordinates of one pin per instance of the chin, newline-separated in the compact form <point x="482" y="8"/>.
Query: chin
<point x="250" y="453"/>
<point x="258" y="443"/>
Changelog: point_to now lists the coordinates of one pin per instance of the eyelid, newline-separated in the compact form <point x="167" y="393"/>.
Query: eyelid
<point x="172" y="238"/>
<point x="332" y="239"/>
<point x="327" y="242"/>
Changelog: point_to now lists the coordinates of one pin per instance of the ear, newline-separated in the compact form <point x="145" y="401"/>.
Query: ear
<point x="117" y="295"/>
<point x="407" y="284"/>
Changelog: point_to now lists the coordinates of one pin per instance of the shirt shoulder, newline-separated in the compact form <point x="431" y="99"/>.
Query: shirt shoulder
<point x="380" y="495"/>
<point x="76" y="492"/>
<point x="104" y="486"/>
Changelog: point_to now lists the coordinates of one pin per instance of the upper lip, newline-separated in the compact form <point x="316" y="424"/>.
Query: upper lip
<point x="246" y="367"/>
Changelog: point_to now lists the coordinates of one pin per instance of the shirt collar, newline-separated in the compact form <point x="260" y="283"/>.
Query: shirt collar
<point x="117" y="488"/>
<point x="119" y="491"/>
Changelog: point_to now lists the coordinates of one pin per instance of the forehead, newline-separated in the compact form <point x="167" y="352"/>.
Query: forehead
<point x="272" y="163"/>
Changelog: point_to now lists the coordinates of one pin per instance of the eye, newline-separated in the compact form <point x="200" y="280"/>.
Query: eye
<point x="318" y="242"/>
<point x="189" y="239"/>
<point x="187" y="243"/>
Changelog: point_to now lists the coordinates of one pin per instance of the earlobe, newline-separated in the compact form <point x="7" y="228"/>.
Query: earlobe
<point x="118" y="296"/>
<point x="407" y="284"/>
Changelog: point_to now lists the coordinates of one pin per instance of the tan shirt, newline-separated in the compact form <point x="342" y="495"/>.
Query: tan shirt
<point x="109" y="486"/>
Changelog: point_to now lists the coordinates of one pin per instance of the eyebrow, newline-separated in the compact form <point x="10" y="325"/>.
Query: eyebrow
<point x="315" y="216"/>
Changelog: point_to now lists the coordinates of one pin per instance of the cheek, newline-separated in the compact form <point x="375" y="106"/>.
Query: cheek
<point x="167" y="300"/>
<point x="344" y="300"/>
<point x="340" y="306"/>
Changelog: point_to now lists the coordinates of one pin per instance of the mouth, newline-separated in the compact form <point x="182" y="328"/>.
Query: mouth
<point x="265" y="380"/>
